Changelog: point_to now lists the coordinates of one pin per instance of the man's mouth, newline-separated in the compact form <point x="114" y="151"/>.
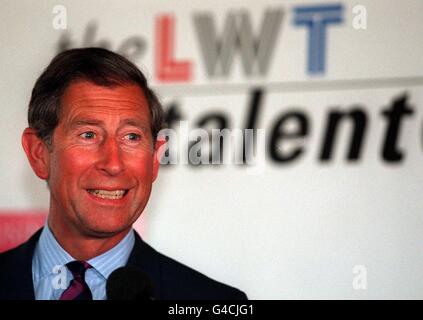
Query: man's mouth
<point x="108" y="194"/>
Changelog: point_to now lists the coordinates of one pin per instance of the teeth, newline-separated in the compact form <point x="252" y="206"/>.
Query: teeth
<point x="115" y="194"/>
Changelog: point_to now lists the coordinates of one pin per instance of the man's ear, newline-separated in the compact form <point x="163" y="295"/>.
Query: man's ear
<point x="159" y="150"/>
<point x="37" y="153"/>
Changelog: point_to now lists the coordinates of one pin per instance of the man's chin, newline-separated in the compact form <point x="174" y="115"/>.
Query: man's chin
<point x="104" y="232"/>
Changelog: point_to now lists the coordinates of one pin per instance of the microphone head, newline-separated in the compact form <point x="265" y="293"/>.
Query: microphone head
<point x="129" y="283"/>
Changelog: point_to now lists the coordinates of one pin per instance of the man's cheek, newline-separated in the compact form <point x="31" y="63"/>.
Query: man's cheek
<point x="142" y="168"/>
<point x="79" y="158"/>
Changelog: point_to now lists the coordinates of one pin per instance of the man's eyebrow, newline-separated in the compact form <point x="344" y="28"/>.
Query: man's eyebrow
<point x="144" y="126"/>
<point x="136" y="123"/>
<point x="85" y="122"/>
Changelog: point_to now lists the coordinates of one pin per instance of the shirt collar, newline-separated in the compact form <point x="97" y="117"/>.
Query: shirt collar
<point x="116" y="257"/>
<point x="49" y="254"/>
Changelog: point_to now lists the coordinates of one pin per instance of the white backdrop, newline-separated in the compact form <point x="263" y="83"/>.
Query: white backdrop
<point x="303" y="229"/>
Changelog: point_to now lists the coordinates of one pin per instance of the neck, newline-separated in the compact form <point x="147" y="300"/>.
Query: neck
<point x="84" y="246"/>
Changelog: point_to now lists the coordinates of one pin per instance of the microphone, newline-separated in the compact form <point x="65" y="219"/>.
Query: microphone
<point x="129" y="283"/>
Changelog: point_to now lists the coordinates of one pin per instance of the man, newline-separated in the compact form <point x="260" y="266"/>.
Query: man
<point x="93" y="136"/>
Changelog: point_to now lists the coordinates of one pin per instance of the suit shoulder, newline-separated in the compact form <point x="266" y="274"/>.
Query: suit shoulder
<point x="15" y="274"/>
<point x="183" y="282"/>
<point x="10" y="258"/>
<point x="20" y="254"/>
<point x="16" y="263"/>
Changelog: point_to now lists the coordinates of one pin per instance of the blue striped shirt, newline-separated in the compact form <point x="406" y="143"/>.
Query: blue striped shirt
<point x="51" y="277"/>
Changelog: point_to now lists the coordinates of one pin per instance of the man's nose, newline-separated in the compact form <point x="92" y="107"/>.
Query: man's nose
<point x="111" y="157"/>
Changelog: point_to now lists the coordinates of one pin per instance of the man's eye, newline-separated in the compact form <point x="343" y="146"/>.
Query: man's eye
<point x="87" y="135"/>
<point x="132" y="137"/>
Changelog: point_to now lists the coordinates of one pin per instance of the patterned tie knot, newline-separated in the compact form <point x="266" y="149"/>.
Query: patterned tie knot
<point x="78" y="268"/>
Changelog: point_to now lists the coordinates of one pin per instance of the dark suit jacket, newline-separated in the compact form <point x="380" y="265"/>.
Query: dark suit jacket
<point x="171" y="279"/>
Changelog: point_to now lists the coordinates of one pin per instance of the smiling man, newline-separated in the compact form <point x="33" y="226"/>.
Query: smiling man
<point x="93" y="136"/>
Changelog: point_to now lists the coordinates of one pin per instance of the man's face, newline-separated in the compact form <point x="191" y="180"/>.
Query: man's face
<point x="102" y="163"/>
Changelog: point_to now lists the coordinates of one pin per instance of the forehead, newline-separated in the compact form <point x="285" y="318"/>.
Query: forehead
<point x="86" y="99"/>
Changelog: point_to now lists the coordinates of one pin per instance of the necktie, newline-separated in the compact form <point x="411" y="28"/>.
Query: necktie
<point x="78" y="288"/>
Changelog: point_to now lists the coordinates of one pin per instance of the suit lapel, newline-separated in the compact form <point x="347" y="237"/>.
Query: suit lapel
<point x="21" y="285"/>
<point x="146" y="259"/>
